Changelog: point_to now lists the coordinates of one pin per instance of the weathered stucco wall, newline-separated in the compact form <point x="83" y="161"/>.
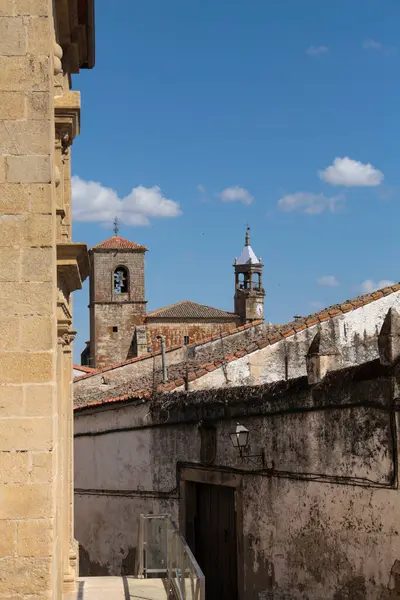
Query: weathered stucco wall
<point x="122" y="466"/>
<point x="354" y="335"/>
<point x="320" y="523"/>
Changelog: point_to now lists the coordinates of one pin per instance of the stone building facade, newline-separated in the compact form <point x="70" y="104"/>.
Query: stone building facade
<point x="307" y="509"/>
<point x="316" y="489"/>
<point x="121" y="329"/>
<point x="42" y="43"/>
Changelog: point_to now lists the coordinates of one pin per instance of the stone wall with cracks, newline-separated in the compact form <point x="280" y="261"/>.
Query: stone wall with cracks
<point x="320" y="520"/>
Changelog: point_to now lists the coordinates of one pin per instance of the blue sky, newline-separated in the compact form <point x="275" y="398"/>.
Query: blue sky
<point x="202" y="116"/>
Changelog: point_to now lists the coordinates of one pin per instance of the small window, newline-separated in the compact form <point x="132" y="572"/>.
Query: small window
<point x="120" y="281"/>
<point x="115" y="329"/>
<point x="186" y="340"/>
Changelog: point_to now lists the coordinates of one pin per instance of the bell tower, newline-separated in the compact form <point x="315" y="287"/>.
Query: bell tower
<point x="249" y="292"/>
<point x="117" y="302"/>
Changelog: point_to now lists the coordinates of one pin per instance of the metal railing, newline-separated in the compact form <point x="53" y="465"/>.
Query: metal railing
<point x="163" y="552"/>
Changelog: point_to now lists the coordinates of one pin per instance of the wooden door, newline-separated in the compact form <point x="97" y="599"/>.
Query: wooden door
<point x="213" y="539"/>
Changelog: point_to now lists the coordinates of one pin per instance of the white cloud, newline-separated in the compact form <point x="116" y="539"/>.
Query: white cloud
<point x="369" y="286"/>
<point x="351" y="173"/>
<point x="328" y="280"/>
<point x="236" y="194"/>
<point x="93" y="202"/>
<point x="315" y="50"/>
<point x="201" y="189"/>
<point x="309" y="203"/>
<point x="372" y="45"/>
<point x="379" y="47"/>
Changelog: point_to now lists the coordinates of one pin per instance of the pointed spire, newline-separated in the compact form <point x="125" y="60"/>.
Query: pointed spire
<point x="247" y="237"/>
<point x="116" y="226"/>
<point x="247" y="256"/>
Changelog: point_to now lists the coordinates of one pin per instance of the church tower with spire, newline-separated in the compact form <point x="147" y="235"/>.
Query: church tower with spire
<point x="117" y="302"/>
<point x="249" y="291"/>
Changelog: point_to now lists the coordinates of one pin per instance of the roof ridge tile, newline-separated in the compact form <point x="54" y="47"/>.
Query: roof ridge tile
<point x="118" y="242"/>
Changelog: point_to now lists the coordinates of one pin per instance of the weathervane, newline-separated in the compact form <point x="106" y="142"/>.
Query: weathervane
<point x="116" y="226"/>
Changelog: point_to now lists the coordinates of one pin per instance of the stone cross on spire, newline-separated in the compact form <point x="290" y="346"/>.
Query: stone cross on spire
<point x="116" y="226"/>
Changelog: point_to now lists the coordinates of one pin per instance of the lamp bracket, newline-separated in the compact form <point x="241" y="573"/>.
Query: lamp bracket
<point x="257" y="459"/>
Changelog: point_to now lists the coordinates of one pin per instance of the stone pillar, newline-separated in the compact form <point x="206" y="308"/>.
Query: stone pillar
<point x="69" y="547"/>
<point x="72" y="268"/>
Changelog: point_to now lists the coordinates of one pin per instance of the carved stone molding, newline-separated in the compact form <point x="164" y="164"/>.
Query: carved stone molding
<point x="67" y="110"/>
<point x="68" y="337"/>
<point x="66" y="141"/>
<point x="58" y="54"/>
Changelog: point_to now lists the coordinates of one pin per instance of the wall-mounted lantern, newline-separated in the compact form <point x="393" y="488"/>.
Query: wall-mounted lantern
<point x="240" y="440"/>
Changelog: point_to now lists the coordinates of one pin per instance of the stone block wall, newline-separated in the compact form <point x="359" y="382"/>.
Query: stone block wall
<point x="113" y="316"/>
<point x="115" y="328"/>
<point x="175" y="333"/>
<point x="30" y="558"/>
<point x="37" y="549"/>
<point x="103" y="265"/>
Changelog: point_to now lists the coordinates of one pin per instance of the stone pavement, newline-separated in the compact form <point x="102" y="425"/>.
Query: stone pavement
<point x="118" y="588"/>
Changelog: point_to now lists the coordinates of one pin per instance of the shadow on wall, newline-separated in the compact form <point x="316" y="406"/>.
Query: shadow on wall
<point x="89" y="568"/>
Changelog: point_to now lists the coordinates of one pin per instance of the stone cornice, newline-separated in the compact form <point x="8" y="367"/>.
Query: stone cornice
<point x="73" y="264"/>
<point x="75" y="24"/>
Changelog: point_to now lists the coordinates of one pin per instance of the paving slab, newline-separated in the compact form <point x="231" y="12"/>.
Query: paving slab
<point x="118" y="588"/>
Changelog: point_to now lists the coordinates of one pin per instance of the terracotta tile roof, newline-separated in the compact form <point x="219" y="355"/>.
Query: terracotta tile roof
<point x="137" y="394"/>
<point x="283" y="332"/>
<point x="190" y="310"/>
<point x="83" y="369"/>
<point x="170" y="349"/>
<point x="126" y="362"/>
<point x="117" y="242"/>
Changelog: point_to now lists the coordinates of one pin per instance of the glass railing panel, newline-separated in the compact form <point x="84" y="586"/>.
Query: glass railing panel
<point x="163" y="552"/>
<point x="156" y="547"/>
